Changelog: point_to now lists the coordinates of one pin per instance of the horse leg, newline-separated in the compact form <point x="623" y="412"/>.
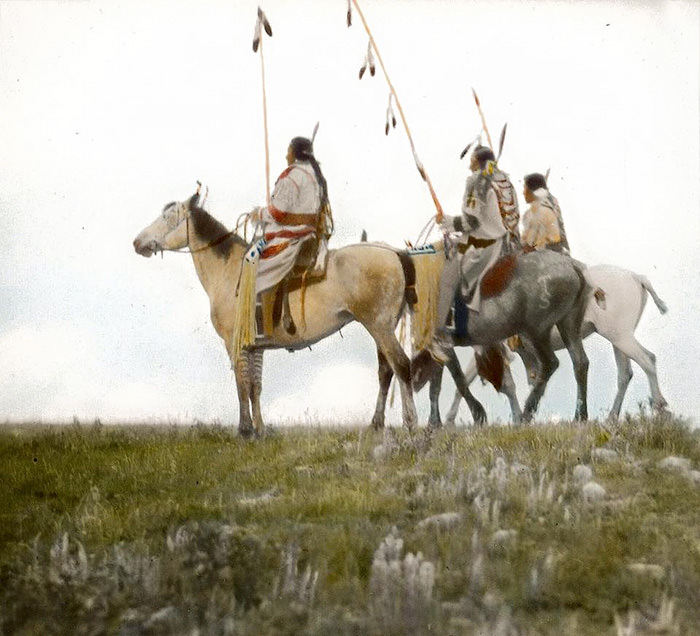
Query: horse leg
<point x="548" y="364"/>
<point x="477" y="410"/>
<point x="399" y="363"/>
<point x="570" y="332"/>
<point x="451" y="416"/>
<point x="385" y="374"/>
<point x="508" y="389"/>
<point x="241" y="370"/>
<point x="647" y="360"/>
<point x="255" y="363"/>
<point x="624" y="375"/>
<point x="470" y="374"/>
<point x="434" y="421"/>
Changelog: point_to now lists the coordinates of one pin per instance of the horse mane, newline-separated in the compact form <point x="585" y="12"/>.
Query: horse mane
<point x="210" y="230"/>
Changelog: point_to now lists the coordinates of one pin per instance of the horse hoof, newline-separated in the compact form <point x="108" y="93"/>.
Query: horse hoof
<point x="434" y="425"/>
<point x="247" y="432"/>
<point x="661" y="407"/>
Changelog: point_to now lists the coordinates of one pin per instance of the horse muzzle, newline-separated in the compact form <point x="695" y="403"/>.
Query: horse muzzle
<point x="145" y="248"/>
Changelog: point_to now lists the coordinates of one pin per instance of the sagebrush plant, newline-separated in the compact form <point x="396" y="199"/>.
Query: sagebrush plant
<point x="322" y="530"/>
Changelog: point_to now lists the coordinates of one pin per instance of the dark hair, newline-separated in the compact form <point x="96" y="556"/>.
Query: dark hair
<point x="535" y="181"/>
<point x="303" y="150"/>
<point x="483" y="154"/>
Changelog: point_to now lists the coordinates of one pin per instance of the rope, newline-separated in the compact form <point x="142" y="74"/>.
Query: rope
<point x="419" y="165"/>
<point x="425" y="232"/>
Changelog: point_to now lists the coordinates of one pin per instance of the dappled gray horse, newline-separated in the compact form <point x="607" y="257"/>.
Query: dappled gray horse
<point x="625" y="299"/>
<point x="547" y="289"/>
<point x="363" y="282"/>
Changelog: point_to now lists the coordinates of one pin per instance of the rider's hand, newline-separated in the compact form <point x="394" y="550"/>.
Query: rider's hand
<point x="254" y="215"/>
<point x="447" y="224"/>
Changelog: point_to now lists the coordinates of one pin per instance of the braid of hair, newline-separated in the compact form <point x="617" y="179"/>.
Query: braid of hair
<point x="326" y="225"/>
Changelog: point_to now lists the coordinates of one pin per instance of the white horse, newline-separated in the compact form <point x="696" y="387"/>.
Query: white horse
<point x="625" y="299"/>
<point x="363" y="282"/>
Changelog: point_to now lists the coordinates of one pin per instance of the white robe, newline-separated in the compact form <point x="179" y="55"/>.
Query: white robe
<point x="290" y="220"/>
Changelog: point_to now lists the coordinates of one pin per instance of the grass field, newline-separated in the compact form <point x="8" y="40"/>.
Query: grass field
<point x="551" y="530"/>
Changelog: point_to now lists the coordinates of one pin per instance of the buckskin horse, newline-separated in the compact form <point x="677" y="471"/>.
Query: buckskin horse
<point x="365" y="282"/>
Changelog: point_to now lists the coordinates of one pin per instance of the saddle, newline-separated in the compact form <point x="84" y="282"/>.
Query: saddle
<point x="497" y="277"/>
<point x="273" y="305"/>
<point x="493" y="282"/>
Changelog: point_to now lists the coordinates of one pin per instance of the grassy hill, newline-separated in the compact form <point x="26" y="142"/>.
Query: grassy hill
<point x="548" y="529"/>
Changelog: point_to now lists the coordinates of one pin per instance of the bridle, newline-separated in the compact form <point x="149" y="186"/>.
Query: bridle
<point x="207" y="246"/>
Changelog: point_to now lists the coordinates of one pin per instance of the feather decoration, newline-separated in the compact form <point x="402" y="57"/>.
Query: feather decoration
<point x="256" y="37"/>
<point x="502" y="141"/>
<point x="266" y="24"/>
<point x="466" y="150"/>
<point x="390" y="118"/>
<point x="349" y="15"/>
<point x="260" y="23"/>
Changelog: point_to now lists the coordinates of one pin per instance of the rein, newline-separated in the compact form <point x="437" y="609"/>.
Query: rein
<point x="209" y="245"/>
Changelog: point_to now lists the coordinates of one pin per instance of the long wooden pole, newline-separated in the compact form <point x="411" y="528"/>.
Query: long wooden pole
<point x="419" y="165"/>
<point x="258" y="43"/>
<point x="267" y="145"/>
<point x="483" y="119"/>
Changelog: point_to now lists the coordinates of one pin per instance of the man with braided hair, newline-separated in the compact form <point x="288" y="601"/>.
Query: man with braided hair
<point x="298" y="222"/>
<point x="485" y="238"/>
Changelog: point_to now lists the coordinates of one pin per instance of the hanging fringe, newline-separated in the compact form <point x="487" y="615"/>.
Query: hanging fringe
<point x="244" y="330"/>
<point x="402" y="342"/>
<point x="424" y="318"/>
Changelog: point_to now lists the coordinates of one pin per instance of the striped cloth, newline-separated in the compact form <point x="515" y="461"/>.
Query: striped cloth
<point x="290" y="220"/>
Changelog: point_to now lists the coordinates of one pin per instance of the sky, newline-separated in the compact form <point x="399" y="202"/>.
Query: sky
<point x="112" y="109"/>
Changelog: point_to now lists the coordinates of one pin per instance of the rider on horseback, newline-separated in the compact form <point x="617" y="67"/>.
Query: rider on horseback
<point x="488" y="225"/>
<point x="298" y="222"/>
<point x="543" y="226"/>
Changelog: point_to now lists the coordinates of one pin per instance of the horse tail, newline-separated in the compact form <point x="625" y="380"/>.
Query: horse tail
<point x="428" y="268"/>
<point x="584" y="290"/>
<point x="409" y="276"/>
<point x="490" y="364"/>
<point x="647" y="286"/>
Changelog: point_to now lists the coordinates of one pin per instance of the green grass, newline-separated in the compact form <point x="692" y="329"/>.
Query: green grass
<point x="150" y="530"/>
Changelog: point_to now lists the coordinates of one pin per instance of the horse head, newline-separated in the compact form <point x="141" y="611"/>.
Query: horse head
<point x="169" y="231"/>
